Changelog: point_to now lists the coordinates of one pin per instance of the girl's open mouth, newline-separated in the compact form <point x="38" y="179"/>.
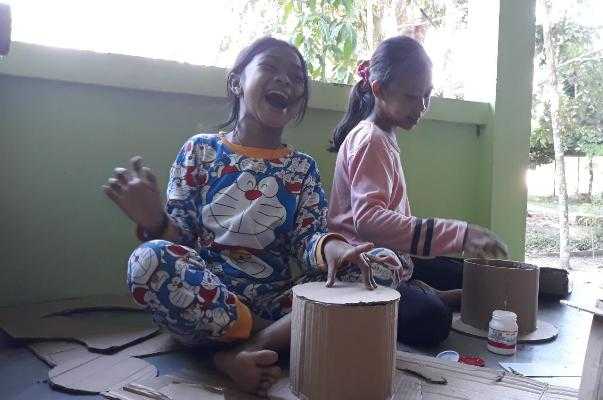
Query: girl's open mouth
<point x="277" y="100"/>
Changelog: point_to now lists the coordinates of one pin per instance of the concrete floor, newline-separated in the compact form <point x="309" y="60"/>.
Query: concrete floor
<point x="23" y="376"/>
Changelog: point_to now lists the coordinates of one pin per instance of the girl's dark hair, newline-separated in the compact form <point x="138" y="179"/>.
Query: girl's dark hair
<point x="393" y="57"/>
<point x="243" y="59"/>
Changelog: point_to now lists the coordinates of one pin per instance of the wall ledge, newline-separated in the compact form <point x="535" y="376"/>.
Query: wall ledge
<point x="130" y="72"/>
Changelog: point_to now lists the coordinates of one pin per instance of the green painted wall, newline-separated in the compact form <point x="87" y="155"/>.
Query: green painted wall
<point x="60" y="141"/>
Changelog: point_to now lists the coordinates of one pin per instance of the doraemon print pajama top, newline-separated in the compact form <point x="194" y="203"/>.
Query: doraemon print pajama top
<point x="244" y="213"/>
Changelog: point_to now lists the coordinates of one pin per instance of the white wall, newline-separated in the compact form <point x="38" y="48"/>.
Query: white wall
<point x="541" y="180"/>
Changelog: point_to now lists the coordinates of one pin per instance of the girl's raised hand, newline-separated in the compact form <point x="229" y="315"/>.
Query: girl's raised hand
<point x="483" y="243"/>
<point x="136" y="192"/>
<point x="339" y="253"/>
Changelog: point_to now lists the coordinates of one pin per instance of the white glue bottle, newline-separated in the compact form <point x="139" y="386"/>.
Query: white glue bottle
<point x="502" y="332"/>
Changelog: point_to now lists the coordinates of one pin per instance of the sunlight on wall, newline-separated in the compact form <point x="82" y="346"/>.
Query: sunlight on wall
<point x="180" y="30"/>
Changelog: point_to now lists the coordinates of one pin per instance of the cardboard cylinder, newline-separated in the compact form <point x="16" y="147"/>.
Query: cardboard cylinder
<point x="343" y="342"/>
<point x="490" y="285"/>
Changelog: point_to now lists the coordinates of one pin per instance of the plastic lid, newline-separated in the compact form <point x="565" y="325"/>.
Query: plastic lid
<point x="449" y="355"/>
<point x="502" y="314"/>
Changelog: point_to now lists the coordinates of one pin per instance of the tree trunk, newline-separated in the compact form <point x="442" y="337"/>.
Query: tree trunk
<point x="590" y="180"/>
<point x="578" y="180"/>
<point x="553" y="91"/>
<point x="373" y="22"/>
<point x="554" y="178"/>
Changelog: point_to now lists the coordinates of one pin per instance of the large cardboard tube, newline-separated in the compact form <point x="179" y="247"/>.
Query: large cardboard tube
<point x="343" y="342"/>
<point x="490" y="285"/>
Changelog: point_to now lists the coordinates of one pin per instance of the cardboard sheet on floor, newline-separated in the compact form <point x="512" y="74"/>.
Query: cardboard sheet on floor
<point x="100" y="373"/>
<point x="463" y="382"/>
<point x="597" y="309"/>
<point x="58" y="352"/>
<point x="405" y="388"/>
<point x="540" y="370"/>
<point x="474" y="383"/>
<point x="545" y="331"/>
<point x="179" y="386"/>
<point x="86" y="320"/>
<point x="69" y="357"/>
<point x="591" y="387"/>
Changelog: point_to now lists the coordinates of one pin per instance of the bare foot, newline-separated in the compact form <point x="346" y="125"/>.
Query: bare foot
<point x="452" y="298"/>
<point x="252" y="371"/>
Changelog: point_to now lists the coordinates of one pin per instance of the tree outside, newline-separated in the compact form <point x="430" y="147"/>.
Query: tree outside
<point x="334" y="35"/>
<point x="567" y="121"/>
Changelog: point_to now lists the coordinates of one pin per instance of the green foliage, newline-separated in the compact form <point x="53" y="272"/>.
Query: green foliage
<point x="326" y="32"/>
<point x="331" y="34"/>
<point x="581" y="103"/>
<point x="543" y="241"/>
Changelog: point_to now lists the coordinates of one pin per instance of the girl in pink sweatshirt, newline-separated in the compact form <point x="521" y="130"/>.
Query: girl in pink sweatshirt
<point x="369" y="199"/>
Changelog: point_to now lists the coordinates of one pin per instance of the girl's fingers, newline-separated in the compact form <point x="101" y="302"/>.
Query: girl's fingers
<point x="122" y="175"/>
<point x="372" y="279"/>
<point x="330" y="275"/>
<point x="116" y="186"/>
<point x="364" y="247"/>
<point x="392" y="263"/>
<point x="149" y="177"/>
<point x="354" y="254"/>
<point x="367" y="272"/>
<point x="137" y="165"/>
<point x="110" y="193"/>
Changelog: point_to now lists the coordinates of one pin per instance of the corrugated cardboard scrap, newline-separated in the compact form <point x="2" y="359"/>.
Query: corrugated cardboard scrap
<point x="478" y="383"/>
<point x="78" y="369"/>
<point x="185" y="385"/>
<point x="591" y="386"/>
<point x="107" y="324"/>
<point x="64" y="320"/>
<point x="100" y="373"/>
<point x="58" y="352"/>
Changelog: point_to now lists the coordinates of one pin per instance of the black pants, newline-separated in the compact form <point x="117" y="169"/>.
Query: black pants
<point x="423" y="318"/>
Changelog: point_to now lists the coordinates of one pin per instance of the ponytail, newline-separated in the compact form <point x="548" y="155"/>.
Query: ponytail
<point x="360" y="105"/>
<point x="391" y="58"/>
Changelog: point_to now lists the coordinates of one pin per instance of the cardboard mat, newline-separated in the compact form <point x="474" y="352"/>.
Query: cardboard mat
<point x="477" y="383"/>
<point x="185" y="385"/>
<point x="86" y="320"/>
<point x="75" y="368"/>
<point x="591" y="387"/>
<point x="100" y="373"/>
<point x="122" y="376"/>
<point x="462" y="381"/>
<point x="58" y="352"/>
<point x="544" y="331"/>
<point x="103" y="336"/>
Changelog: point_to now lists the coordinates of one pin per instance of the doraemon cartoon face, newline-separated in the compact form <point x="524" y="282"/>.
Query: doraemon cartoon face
<point x="141" y="265"/>
<point x="246" y="213"/>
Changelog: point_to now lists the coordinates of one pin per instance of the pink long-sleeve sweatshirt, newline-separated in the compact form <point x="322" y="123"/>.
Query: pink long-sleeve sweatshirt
<point x="369" y="201"/>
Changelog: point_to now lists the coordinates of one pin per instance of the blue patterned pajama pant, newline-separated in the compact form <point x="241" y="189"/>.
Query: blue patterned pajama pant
<point x="189" y="295"/>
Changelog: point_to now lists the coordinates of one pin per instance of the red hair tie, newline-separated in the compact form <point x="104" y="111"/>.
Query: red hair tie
<point x="363" y="71"/>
